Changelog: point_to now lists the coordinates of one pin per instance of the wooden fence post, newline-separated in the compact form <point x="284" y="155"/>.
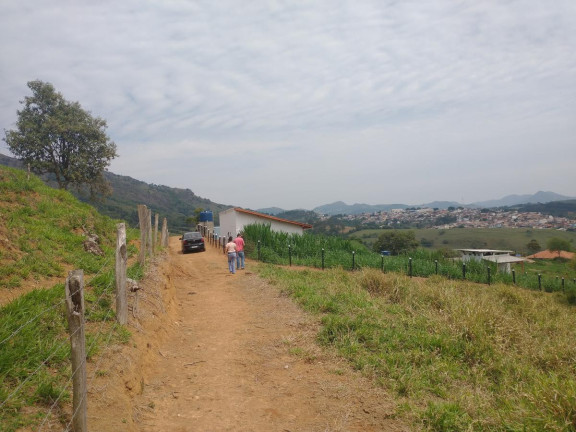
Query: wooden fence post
<point x="121" y="260"/>
<point x="75" y="313"/>
<point x="142" y="213"/>
<point x="164" y="235"/>
<point x="155" y="241"/>
<point x="149" y="228"/>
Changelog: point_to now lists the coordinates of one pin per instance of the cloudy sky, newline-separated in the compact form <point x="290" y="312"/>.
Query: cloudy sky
<point x="297" y="104"/>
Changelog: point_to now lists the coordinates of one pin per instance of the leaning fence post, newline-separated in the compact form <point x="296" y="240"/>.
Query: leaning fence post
<point x="463" y="270"/>
<point x="75" y="315"/>
<point x="410" y="266"/>
<point x="436" y="264"/>
<point x="353" y="260"/>
<point x="121" y="259"/>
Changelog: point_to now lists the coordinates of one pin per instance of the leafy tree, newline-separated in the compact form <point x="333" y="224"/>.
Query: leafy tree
<point x="557" y="244"/>
<point x="396" y="242"/>
<point x="59" y="137"/>
<point x="533" y="246"/>
<point x="426" y="242"/>
<point x="195" y="220"/>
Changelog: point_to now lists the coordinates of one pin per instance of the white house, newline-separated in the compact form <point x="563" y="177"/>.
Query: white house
<point x="233" y="221"/>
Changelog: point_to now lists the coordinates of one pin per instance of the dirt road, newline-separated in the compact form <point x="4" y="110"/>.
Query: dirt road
<point x="240" y="356"/>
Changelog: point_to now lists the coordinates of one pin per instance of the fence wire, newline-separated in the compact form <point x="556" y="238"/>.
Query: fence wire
<point x="101" y="337"/>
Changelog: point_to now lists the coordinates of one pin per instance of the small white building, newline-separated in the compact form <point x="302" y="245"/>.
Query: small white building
<point x="479" y="254"/>
<point x="233" y="221"/>
<point x="502" y="258"/>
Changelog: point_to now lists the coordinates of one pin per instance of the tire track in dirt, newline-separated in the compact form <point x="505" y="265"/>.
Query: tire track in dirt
<point x="240" y="356"/>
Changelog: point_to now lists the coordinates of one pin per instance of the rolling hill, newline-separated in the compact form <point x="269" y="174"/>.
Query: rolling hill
<point x="177" y="205"/>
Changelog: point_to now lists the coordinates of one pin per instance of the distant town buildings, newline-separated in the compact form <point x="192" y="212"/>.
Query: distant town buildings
<point x="462" y="218"/>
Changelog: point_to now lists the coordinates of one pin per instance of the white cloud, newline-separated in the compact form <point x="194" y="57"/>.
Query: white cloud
<point x="298" y="92"/>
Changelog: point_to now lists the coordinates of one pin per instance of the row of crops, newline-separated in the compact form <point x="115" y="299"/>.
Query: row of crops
<point x="312" y="250"/>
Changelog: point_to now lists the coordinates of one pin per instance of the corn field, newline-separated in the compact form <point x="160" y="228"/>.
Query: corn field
<point x="319" y="251"/>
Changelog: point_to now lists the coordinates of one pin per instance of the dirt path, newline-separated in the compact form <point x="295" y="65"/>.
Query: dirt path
<point x="242" y="357"/>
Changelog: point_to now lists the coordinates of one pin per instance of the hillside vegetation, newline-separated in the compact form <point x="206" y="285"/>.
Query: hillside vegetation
<point x="458" y="356"/>
<point x="177" y="205"/>
<point x="42" y="231"/>
<point x="515" y="239"/>
<point x="318" y="250"/>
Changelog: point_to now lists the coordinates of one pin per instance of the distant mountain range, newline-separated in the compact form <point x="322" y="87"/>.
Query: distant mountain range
<point x="512" y="200"/>
<point x="340" y="207"/>
<point x="179" y="204"/>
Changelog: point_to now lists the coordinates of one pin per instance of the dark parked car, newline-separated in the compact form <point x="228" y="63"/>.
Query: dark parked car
<point x="192" y="241"/>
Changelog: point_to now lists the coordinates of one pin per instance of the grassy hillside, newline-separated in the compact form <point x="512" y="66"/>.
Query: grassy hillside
<point x="485" y="238"/>
<point x="41" y="238"/>
<point x="457" y="356"/>
<point x="42" y="230"/>
<point x="175" y="204"/>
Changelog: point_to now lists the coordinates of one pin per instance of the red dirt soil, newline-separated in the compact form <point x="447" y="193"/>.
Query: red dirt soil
<point x="219" y="352"/>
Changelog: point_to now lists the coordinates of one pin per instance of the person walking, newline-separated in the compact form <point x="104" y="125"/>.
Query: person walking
<point x="239" y="241"/>
<point x="230" y="250"/>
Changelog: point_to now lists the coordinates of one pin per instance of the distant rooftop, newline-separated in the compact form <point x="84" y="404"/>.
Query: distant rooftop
<point x="485" y="251"/>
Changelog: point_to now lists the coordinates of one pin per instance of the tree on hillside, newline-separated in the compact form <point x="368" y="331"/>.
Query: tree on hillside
<point x="533" y="246"/>
<point x="59" y="137"/>
<point x="195" y="220"/>
<point x="557" y="244"/>
<point x="396" y="242"/>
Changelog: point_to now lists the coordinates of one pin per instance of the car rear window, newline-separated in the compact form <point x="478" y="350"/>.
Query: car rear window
<point x="191" y="235"/>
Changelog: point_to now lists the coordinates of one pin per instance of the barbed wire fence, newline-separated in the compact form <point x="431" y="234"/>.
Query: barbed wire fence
<point x="151" y="242"/>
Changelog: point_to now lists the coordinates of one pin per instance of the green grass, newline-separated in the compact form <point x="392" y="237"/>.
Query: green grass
<point x="457" y="356"/>
<point x="42" y="230"/>
<point x="45" y="228"/>
<point x="514" y="239"/>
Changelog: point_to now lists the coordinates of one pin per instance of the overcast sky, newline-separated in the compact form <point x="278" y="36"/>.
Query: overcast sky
<point x="297" y="104"/>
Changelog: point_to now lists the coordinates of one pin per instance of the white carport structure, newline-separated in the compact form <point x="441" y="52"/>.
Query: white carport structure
<point x="233" y="221"/>
<point x="502" y="258"/>
<point x="504" y="262"/>
<point x="480" y="254"/>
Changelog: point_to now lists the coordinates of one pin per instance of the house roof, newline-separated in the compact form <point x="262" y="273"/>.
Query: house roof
<point x="265" y="216"/>
<point x="485" y="251"/>
<point x="548" y="254"/>
<point x="503" y="259"/>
